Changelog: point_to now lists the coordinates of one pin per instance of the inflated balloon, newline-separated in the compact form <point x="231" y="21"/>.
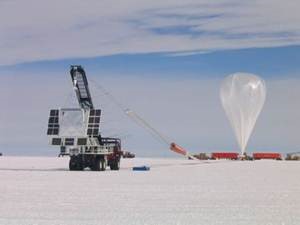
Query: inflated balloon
<point x="243" y="96"/>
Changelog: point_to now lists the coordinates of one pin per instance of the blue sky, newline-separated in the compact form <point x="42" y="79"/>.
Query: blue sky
<point x="166" y="60"/>
<point x="268" y="62"/>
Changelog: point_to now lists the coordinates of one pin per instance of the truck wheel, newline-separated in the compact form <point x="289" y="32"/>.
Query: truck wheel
<point x="115" y="165"/>
<point x="75" y="163"/>
<point x="99" y="164"/>
<point x="72" y="164"/>
<point x="96" y="165"/>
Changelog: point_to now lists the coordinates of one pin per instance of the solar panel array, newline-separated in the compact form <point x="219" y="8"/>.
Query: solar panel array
<point x="53" y="125"/>
<point x="94" y="122"/>
<point x="69" y="141"/>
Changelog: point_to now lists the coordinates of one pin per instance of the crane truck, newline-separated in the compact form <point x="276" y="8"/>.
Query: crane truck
<point x="76" y="131"/>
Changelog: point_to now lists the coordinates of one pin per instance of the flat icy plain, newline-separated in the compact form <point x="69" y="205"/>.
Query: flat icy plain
<point x="41" y="191"/>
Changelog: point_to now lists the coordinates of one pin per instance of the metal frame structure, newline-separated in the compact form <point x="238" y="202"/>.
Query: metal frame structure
<point x="82" y="140"/>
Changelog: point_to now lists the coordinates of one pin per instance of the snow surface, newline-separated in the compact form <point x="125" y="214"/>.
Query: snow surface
<point x="40" y="190"/>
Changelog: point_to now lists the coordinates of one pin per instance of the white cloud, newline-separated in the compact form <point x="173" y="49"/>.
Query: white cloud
<point x="40" y="30"/>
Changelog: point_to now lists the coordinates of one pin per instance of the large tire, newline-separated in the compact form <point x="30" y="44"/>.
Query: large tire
<point x="72" y="164"/>
<point x="99" y="164"/>
<point x="115" y="165"/>
<point x="76" y="163"/>
<point x="96" y="165"/>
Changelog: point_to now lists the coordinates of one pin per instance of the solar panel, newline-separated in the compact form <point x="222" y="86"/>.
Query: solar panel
<point x="55" y="131"/>
<point x="94" y="122"/>
<point x="81" y="141"/>
<point x="56" y="141"/>
<point x="98" y="112"/>
<point x="53" y="112"/>
<point x="53" y="122"/>
<point x="69" y="141"/>
<point x="91" y="126"/>
<point x="92" y="112"/>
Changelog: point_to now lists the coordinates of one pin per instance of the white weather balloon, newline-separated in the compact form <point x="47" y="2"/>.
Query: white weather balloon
<point x="243" y="96"/>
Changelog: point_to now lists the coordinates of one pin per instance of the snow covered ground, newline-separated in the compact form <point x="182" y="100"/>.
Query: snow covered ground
<point x="40" y="190"/>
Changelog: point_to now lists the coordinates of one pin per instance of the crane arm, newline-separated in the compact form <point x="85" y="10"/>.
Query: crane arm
<point x="81" y="87"/>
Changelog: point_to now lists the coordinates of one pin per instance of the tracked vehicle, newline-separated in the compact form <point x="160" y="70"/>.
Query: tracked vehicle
<point x="76" y="131"/>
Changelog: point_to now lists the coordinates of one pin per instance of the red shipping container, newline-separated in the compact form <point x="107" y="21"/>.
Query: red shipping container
<point x="225" y="155"/>
<point x="267" y="155"/>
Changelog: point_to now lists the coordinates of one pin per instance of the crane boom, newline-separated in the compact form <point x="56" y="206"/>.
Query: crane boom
<point x="81" y="87"/>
